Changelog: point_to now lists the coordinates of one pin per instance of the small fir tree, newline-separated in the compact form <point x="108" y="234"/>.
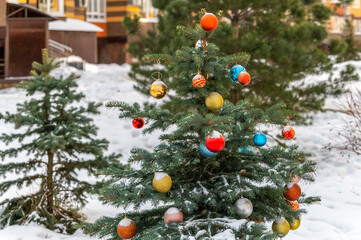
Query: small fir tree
<point x="58" y="140"/>
<point x="204" y="188"/>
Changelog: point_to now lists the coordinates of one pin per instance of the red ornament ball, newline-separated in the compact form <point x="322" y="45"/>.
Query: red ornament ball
<point x="288" y="132"/>
<point x="138" y="122"/>
<point x="209" y="22"/>
<point x="244" y="78"/>
<point x="294" y="204"/>
<point x="215" y="142"/>
<point x="126" y="228"/>
<point x="173" y="215"/>
<point x="199" y="81"/>
<point x="292" y="192"/>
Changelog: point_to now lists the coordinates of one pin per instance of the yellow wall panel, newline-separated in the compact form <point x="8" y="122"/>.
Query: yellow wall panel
<point x="117" y="9"/>
<point x="69" y="14"/>
<point x="69" y="3"/>
<point x="115" y="19"/>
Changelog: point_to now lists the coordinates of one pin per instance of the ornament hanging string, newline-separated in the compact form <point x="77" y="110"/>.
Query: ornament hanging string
<point x="159" y="74"/>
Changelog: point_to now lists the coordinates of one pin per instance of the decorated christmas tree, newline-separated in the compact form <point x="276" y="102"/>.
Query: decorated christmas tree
<point x="54" y="141"/>
<point x="213" y="172"/>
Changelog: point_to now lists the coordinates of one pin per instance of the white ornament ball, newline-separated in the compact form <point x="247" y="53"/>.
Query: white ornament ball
<point x="244" y="207"/>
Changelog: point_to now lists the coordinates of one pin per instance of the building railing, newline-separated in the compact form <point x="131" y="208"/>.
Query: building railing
<point x="58" y="50"/>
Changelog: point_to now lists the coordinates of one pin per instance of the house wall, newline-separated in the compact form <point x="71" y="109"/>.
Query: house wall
<point x="84" y="44"/>
<point x="340" y="13"/>
<point x="25" y="38"/>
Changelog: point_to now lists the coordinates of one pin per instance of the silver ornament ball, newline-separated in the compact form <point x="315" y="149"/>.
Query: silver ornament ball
<point x="244" y="207"/>
<point x="199" y="44"/>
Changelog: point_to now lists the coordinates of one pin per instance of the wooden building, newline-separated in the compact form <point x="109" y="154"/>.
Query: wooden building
<point x="23" y="33"/>
<point x="106" y="14"/>
<point x="91" y="29"/>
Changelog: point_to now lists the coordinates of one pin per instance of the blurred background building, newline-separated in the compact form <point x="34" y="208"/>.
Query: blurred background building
<point x="336" y="24"/>
<point x="93" y="30"/>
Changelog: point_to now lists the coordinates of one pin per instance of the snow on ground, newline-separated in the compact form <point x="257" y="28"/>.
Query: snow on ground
<point x="335" y="218"/>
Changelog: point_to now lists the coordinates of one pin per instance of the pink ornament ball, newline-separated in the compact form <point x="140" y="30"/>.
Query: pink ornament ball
<point x="173" y="215"/>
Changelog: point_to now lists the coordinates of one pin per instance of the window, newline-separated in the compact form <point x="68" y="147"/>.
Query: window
<point x="96" y="10"/>
<point x="81" y="3"/>
<point x="146" y="9"/>
<point x="356" y="4"/>
<point x="51" y="6"/>
<point x="357" y="26"/>
<point x="337" y="24"/>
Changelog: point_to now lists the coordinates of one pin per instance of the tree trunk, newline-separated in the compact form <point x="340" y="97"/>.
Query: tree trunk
<point x="50" y="183"/>
<point x="50" y="165"/>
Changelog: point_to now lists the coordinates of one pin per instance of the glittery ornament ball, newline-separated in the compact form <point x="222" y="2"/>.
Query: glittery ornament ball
<point x="281" y="226"/>
<point x="158" y="89"/>
<point x="214" y="101"/>
<point x="246" y="150"/>
<point x="244" y="207"/>
<point x="138" y="122"/>
<point x="235" y="71"/>
<point x="260" y="139"/>
<point x="215" y="142"/>
<point x="292" y="192"/>
<point x="126" y="228"/>
<point x="294" y="205"/>
<point x="244" y="78"/>
<point x="173" y="215"/>
<point x="162" y="182"/>
<point x="295" y="224"/>
<point x="203" y="150"/>
<point x="209" y="22"/>
<point x="288" y="132"/>
<point x="199" y="81"/>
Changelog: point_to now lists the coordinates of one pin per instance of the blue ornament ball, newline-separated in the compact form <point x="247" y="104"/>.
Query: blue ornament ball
<point x="260" y="139"/>
<point x="246" y="150"/>
<point x="235" y="70"/>
<point x="203" y="150"/>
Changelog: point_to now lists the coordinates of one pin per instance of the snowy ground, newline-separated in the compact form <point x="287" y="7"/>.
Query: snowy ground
<point x="336" y="218"/>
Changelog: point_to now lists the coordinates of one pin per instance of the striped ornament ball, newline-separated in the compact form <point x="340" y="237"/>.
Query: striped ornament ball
<point x="199" y="81"/>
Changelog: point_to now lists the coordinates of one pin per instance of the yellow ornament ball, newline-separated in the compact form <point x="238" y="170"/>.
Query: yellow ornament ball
<point x="281" y="226"/>
<point x="162" y="182"/>
<point x="158" y="89"/>
<point x="214" y="101"/>
<point x="295" y="224"/>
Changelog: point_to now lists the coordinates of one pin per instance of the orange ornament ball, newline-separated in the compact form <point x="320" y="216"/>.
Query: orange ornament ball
<point x="126" y="228"/>
<point x="294" y="204"/>
<point x="288" y="132"/>
<point x="292" y="192"/>
<point x="209" y="22"/>
<point x="244" y="78"/>
<point x="199" y="81"/>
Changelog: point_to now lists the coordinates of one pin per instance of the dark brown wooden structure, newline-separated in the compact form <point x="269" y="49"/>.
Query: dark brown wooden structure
<point x="21" y="40"/>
